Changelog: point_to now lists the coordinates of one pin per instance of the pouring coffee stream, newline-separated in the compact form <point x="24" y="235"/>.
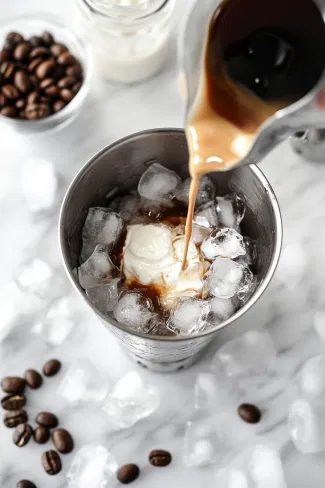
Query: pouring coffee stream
<point x="254" y="83"/>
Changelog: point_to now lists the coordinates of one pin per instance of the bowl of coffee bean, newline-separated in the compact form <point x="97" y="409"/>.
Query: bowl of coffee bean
<point x="44" y="73"/>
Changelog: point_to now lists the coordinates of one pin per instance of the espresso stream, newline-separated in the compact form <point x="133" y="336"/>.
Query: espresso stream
<point x="259" y="58"/>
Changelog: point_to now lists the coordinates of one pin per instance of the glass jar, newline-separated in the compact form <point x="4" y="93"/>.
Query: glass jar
<point x="128" y="38"/>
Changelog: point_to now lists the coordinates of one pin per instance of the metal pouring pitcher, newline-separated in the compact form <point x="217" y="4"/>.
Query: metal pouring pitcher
<point x="304" y="119"/>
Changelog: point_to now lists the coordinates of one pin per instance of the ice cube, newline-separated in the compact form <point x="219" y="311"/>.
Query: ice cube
<point x="206" y="216"/>
<point x="257" y="466"/>
<point x="204" y="441"/>
<point x="102" y="226"/>
<point x="221" y="309"/>
<point x="38" y="278"/>
<point x="226" y="243"/>
<point x="83" y="382"/>
<point x="128" y="206"/>
<point x="39" y="185"/>
<point x="250" y="353"/>
<point x="211" y="391"/>
<point x="312" y="378"/>
<point x="230" y="210"/>
<point x="104" y="297"/>
<point x="199" y="233"/>
<point x="134" y="310"/>
<point x="92" y="466"/>
<point x="251" y="250"/>
<point x="158" y="183"/>
<point x="226" y="278"/>
<point x="61" y="322"/>
<point x="205" y="194"/>
<point x="98" y="269"/>
<point x="319" y="324"/>
<point x="189" y="316"/>
<point x="307" y="426"/>
<point x="130" y="400"/>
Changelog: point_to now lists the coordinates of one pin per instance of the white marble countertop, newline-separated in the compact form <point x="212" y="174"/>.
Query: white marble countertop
<point x="286" y="309"/>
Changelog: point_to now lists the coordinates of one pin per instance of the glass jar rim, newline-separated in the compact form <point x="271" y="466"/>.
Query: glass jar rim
<point x="116" y="12"/>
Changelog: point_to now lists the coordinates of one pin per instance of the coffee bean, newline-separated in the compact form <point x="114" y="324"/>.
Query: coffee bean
<point x="13" y="402"/>
<point x="51" y="462"/>
<point x="160" y="458"/>
<point x="37" y="111"/>
<point x="57" y="49"/>
<point x="3" y="100"/>
<point x="40" y="51"/>
<point x="46" y="83"/>
<point x="33" y="98"/>
<point x="10" y="91"/>
<point x="58" y="72"/>
<point x="62" y="440"/>
<point x="67" y="82"/>
<point x="14" y="37"/>
<point x="9" y="112"/>
<point x="34" y="63"/>
<point x="36" y="41"/>
<point x="20" y="103"/>
<point x="74" y="70"/>
<point x="22" y="81"/>
<point x="14" y="418"/>
<point x="9" y="44"/>
<point x="35" y="82"/>
<point x="51" y="367"/>
<point x="45" y="99"/>
<point x="52" y="92"/>
<point x="249" y="413"/>
<point x="13" y="384"/>
<point x="41" y="435"/>
<point x="66" y="94"/>
<point x="76" y="87"/>
<point x="58" y="105"/>
<point x="33" y="379"/>
<point x="25" y="484"/>
<point x="7" y="69"/>
<point x="22" y="435"/>
<point x="47" y="38"/>
<point x="45" y="68"/>
<point x="22" y="51"/>
<point x="4" y="55"/>
<point x="66" y="59"/>
<point x="128" y="473"/>
<point x="47" y="419"/>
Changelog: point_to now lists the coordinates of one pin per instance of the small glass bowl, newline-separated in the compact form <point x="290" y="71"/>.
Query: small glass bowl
<point x="35" y="24"/>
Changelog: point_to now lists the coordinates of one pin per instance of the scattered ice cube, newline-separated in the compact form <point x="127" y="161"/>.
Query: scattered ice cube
<point x="189" y="316"/>
<point x="257" y="466"/>
<point x="37" y="277"/>
<point x="206" y="216"/>
<point x="204" y="442"/>
<point x="211" y="391"/>
<point x="98" y="269"/>
<point x="206" y="193"/>
<point x="104" y="297"/>
<point x="130" y="400"/>
<point x="230" y="210"/>
<point x="39" y="185"/>
<point x="226" y="243"/>
<point x="307" y="426"/>
<point x="319" y="324"/>
<point x="312" y="378"/>
<point x="227" y="278"/>
<point x="128" y="206"/>
<point x="199" y="233"/>
<point x="61" y="321"/>
<point x="158" y="183"/>
<point x="293" y="265"/>
<point x="83" y="382"/>
<point x="134" y="310"/>
<point x="250" y="353"/>
<point x="93" y="466"/>
<point x="221" y="309"/>
<point x="102" y="226"/>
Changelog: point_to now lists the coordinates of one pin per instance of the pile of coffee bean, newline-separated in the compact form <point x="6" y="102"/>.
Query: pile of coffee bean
<point x="38" y="76"/>
<point x="130" y="472"/>
<point x="16" y="417"/>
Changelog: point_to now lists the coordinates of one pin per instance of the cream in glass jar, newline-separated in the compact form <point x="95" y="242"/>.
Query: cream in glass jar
<point x="128" y="38"/>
